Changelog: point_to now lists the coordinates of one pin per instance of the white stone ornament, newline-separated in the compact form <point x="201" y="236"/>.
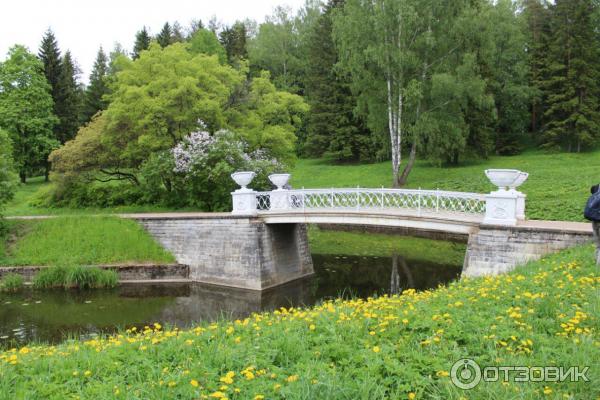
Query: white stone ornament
<point x="279" y="180"/>
<point x="505" y="207"/>
<point x="243" y="178"/>
<point x="244" y="199"/>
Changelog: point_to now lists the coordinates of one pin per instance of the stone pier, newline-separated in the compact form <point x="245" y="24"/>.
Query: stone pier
<point x="231" y="250"/>
<point x="493" y="250"/>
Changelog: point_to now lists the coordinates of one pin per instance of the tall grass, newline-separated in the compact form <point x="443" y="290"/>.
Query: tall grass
<point x="83" y="240"/>
<point x="75" y="276"/>
<point x="11" y="283"/>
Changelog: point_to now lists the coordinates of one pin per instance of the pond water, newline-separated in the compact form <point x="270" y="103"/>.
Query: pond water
<point x="53" y="316"/>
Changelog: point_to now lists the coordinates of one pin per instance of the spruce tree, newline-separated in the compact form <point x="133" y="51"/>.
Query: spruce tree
<point x="49" y="53"/>
<point x="234" y="40"/>
<point x="177" y="33"/>
<point x="332" y="127"/>
<point x="165" y="36"/>
<point x="142" y="42"/>
<point x="571" y="90"/>
<point x="68" y="104"/>
<point x="97" y="88"/>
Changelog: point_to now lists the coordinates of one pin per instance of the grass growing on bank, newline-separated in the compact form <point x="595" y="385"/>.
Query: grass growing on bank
<point x="399" y="347"/>
<point x="557" y="188"/>
<point x="11" y="283"/>
<point x="80" y="240"/>
<point x="382" y="245"/>
<point x="75" y="276"/>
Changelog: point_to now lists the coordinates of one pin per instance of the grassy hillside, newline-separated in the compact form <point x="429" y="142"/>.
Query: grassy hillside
<point x="557" y="188"/>
<point x="399" y="347"/>
<point x="79" y="240"/>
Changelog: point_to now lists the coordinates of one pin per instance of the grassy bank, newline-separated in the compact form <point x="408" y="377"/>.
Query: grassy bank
<point x="399" y="347"/>
<point x="74" y="240"/>
<point x="557" y="188"/>
<point x="381" y="245"/>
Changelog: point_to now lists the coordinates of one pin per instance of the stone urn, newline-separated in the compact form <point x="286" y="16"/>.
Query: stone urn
<point x="504" y="178"/>
<point x="243" y="178"/>
<point x="279" y="180"/>
<point x="519" y="181"/>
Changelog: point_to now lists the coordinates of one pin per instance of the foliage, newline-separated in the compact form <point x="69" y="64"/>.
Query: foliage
<point x="332" y="128"/>
<point x="234" y="40"/>
<point x="7" y="174"/>
<point x="401" y="346"/>
<point x="572" y="72"/>
<point x="26" y="110"/>
<point x="75" y="276"/>
<point x="69" y="100"/>
<point x="11" y="283"/>
<point x="81" y="240"/>
<point x="165" y="36"/>
<point x="142" y="42"/>
<point x="206" y="42"/>
<point x="197" y="171"/>
<point x="96" y="91"/>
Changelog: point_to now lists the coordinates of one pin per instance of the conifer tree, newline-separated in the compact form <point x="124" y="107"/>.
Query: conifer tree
<point x="572" y="85"/>
<point x="165" y="36"/>
<point x="234" y="40"/>
<point x="142" y="42"/>
<point x="49" y="53"/>
<point x="97" y="88"/>
<point x="177" y="33"/>
<point x="68" y="104"/>
<point x="332" y="127"/>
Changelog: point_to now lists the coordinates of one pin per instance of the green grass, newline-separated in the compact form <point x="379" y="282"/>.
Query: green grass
<point x="81" y="240"/>
<point x="382" y="245"/>
<point x="75" y="277"/>
<point x="399" y="347"/>
<point x="557" y="188"/>
<point x="11" y="283"/>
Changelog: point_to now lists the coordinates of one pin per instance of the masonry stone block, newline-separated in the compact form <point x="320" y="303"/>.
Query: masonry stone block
<point x="235" y="251"/>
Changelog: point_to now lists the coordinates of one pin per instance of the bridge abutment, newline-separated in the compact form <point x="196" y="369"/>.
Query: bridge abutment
<point x="236" y="251"/>
<point x="492" y="250"/>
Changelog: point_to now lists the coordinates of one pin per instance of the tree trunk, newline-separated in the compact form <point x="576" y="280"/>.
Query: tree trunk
<point x="47" y="172"/>
<point x="23" y="176"/>
<point x="409" y="165"/>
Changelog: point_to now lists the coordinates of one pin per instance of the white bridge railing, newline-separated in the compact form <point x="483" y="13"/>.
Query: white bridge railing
<point x="504" y="206"/>
<point x="371" y="199"/>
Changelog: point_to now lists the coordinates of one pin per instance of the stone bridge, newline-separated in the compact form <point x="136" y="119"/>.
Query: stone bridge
<point x="263" y="242"/>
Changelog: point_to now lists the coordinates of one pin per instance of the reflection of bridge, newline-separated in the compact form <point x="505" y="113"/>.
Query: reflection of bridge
<point x="263" y="242"/>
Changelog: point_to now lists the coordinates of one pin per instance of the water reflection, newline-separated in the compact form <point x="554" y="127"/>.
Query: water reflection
<point x="52" y="316"/>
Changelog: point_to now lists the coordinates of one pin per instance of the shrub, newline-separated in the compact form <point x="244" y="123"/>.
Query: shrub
<point x="11" y="283"/>
<point x="75" y="276"/>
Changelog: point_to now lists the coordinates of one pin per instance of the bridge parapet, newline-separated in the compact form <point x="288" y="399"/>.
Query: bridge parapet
<point x="501" y="207"/>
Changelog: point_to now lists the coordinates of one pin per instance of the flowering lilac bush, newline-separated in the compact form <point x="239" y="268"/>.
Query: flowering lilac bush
<point x="196" y="172"/>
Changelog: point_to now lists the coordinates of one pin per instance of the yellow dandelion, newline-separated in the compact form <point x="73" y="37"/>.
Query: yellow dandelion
<point x="194" y="383"/>
<point x="376" y="349"/>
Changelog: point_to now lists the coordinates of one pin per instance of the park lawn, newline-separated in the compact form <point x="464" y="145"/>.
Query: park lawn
<point x="399" y="347"/>
<point x="382" y="245"/>
<point x="557" y="188"/>
<point x="68" y="240"/>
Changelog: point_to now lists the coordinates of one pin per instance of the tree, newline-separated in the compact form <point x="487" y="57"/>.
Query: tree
<point x="274" y="49"/>
<point x="97" y="89"/>
<point x="49" y="53"/>
<point x="142" y="42"/>
<point x="177" y="35"/>
<point x="413" y="73"/>
<point x="206" y="42"/>
<point x="7" y="174"/>
<point x="68" y="103"/>
<point x="165" y="36"/>
<point x="332" y="127"/>
<point x="234" y="40"/>
<point x="26" y="110"/>
<point x="160" y="98"/>
<point x="571" y="90"/>
<point x="194" y="27"/>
